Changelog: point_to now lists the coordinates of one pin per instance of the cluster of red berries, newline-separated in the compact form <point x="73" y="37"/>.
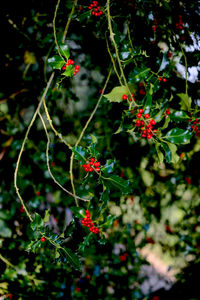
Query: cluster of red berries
<point x="154" y="27"/>
<point x="87" y="222"/>
<point x="180" y="23"/>
<point x="125" y="97"/>
<point x="196" y="127"/>
<point x="141" y="89"/>
<point x="147" y="130"/>
<point x="89" y="164"/>
<point x="71" y="62"/>
<point x="167" y="112"/>
<point x="123" y="256"/>
<point x="162" y="79"/>
<point x="96" y="10"/>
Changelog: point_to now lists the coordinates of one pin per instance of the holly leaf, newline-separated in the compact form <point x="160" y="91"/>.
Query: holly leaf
<point x="64" y="50"/>
<point x="37" y="222"/>
<point x="47" y="216"/>
<point x="185" y="101"/>
<point x="56" y="62"/>
<point x="5" y="230"/>
<point x="109" y="221"/>
<point x="179" y="116"/>
<point x="116" y="94"/>
<point x="72" y="258"/>
<point x="159" y="153"/>
<point x="108" y="167"/>
<point x="174" y="156"/>
<point x="68" y="71"/>
<point x="80" y="153"/>
<point x="179" y="136"/>
<point x="117" y="182"/>
<point x="79" y="212"/>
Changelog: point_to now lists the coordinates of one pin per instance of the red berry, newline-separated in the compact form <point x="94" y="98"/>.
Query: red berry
<point x="92" y="159"/>
<point x="146" y="116"/>
<point x="22" y="210"/>
<point x="139" y="115"/>
<point x="88" y="166"/>
<point x="91" y="163"/>
<point x="154" y="28"/>
<point x="159" y="78"/>
<point x="149" y="136"/>
<point x="42" y="239"/>
<point x="153" y="122"/>
<point x="124" y="97"/>
<point x="97" y="169"/>
<point x="164" y="79"/>
<point x="86" y="169"/>
<point x="90" y="170"/>
<point x="97" y="164"/>
<point x="140" y="110"/>
<point x="37" y="193"/>
<point x="83" y="166"/>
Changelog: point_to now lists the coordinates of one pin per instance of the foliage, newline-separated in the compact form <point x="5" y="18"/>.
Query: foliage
<point x="110" y="93"/>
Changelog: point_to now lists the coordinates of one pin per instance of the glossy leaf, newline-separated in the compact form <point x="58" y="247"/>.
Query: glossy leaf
<point x="179" y="136"/>
<point x="37" y="222"/>
<point x="79" y="212"/>
<point x="108" y="167"/>
<point x="56" y="62"/>
<point x="72" y="258"/>
<point x="179" y="116"/>
<point x="116" y="94"/>
<point x="64" y="50"/>
<point x="159" y="153"/>
<point x="118" y="183"/>
<point x="80" y="153"/>
<point x="109" y="221"/>
<point x="185" y="101"/>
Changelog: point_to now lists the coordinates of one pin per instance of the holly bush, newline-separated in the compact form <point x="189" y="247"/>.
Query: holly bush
<point x="100" y="127"/>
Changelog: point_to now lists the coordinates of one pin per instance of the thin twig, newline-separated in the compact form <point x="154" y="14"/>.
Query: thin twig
<point x="82" y="133"/>
<point x="69" y="21"/>
<point x="23" y="145"/>
<point x="48" y="166"/>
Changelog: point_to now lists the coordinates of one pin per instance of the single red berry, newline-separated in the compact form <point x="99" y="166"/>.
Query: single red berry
<point x="90" y="170"/>
<point x="153" y="122"/>
<point x="124" y="97"/>
<point x="77" y="289"/>
<point x="92" y="159"/>
<point x="22" y="210"/>
<point x="37" y="193"/>
<point x="63" y="68"/>
<point x="164" y="79"/>
<point x="159" y="78"/>
<point x="86" y="169"/>
<point x="91" y="163"/>
<point x="88" y="166"/>
<point x="146" y="116"/>
<point x="42" y="239"/>
<point x="149" y="136"/>
<point x="140" y="110"/>
<point x="83" y="166"/>
<point x="53" y="164"/>
<point x="154" y="28"/>
<point x="97" y="169"/>
<point x="139" y="115"/>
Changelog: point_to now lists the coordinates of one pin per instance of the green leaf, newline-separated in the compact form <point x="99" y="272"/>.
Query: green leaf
<point x="175" y="157"/>
<point x="56" y="62"/>
<point x="148" y="102"/>
<point x="160" y="154"/>
<point x="147" y="177"/>
<point x="72" y="258"/>
<point x="159" y="116"/>
<point x="179" y="116"/>
<point x="167" y="120"/>
<point x="109" y="221"/>
<point x="80" y="153"/>
<point x="5" y="230"/>
<point x="46" y="217"/>
<point x="69" y="71"/>
<point x="179" y="136"/>
<point x="37" y="222"/>
<point x="185" y="101"/>
<point x="118" y="183"/>
<point x="64" y="50"/>
<point x="116" y="94"/>
<point x="79" y="212"/>
<point x="171" y="155"/>
<point x="108" y="167"/>
<point x="92" y="149"/>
